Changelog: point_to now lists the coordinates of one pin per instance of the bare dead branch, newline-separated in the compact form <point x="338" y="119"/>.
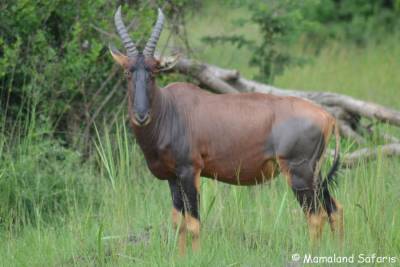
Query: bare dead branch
<point x="367" y="154"/>
<point x="204" y="75"/>
<point x="228" y="81"/>
<point x="347" y="132"/>
<point x="389" y="138"/>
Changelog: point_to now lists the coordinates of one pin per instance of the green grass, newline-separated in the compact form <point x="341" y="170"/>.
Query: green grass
<point x="115" y="213"/>
<point x="242" y="226"/>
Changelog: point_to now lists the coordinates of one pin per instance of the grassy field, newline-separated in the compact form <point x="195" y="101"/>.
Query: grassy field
<point x="117" y="214"/>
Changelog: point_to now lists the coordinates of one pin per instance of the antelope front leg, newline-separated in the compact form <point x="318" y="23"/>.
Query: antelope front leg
<point x="178" y="221"/>
<point x="189" y="180"/>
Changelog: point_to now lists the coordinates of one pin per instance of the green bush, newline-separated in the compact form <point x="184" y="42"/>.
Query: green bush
<point x="55" y="54"/>
<point x="353" y="20"/>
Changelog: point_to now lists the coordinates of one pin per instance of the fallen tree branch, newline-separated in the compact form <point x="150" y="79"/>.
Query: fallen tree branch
<point x="347" y="132"/>
<point x="367" y="154"/>
<point x="389" y="138"/>
<point x="206" y="75"/>
<point x="346" y="109"/>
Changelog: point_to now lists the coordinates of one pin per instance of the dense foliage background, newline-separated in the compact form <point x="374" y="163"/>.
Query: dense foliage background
<point x="63" y="141"/>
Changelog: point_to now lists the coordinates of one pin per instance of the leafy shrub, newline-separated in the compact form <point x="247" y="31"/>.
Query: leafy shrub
<point x="55" y="54"/>
<point x="355" y="21"/>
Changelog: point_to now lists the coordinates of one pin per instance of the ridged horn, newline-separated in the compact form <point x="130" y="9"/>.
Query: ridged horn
<point x="155" y="35"/>
<point x="123" y="33"/>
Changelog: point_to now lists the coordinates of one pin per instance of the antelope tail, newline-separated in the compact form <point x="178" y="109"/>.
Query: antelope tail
<point x="330" y="178"/>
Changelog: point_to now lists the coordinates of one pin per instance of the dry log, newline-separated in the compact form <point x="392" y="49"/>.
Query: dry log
<point x="206" y="75"/>
<point x="347" y="132"/>
<point x="367" y="154"/>
<point x="346" y="109"/>
<point x="389" y="138"/>
<point x="229" y="81"/>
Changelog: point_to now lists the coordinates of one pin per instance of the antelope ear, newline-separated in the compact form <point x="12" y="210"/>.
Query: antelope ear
<point x="120" y="58"/>
<point x="167" y="63"/>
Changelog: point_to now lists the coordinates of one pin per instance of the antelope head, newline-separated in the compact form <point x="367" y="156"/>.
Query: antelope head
<point x="140" y="68"/>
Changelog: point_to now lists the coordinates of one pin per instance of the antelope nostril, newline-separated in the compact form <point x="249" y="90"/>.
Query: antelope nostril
<point x="141" y="117"/>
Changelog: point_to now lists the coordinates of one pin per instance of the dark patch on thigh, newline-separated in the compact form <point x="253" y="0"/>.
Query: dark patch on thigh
<point x="299" y="144"/>
<point x="299" y="141"/>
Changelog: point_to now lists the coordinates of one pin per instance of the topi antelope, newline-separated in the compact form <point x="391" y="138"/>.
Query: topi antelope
<point x="240" y="139"/>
